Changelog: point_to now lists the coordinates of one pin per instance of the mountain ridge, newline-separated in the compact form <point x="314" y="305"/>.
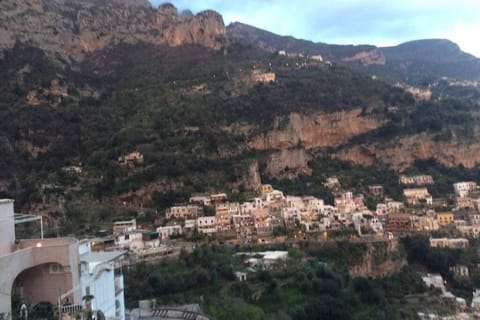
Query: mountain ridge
<point x="438" y="57"/>
<point x="204" y="119"/>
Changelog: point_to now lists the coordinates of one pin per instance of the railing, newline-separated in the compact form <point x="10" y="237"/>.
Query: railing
<point x="72" y="309"/>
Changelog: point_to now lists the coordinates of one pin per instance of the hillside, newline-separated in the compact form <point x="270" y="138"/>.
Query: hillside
<point x="416" y="62"/>
<point x="201" y="119"/>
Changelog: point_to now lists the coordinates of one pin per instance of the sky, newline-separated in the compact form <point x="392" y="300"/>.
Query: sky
<point x="377" y="22"/>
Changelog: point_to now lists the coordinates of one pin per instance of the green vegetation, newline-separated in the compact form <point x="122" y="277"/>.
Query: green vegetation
<point x="191" y="113"/>
<point x="439" y="260"/>
<point x="302" y="289"/>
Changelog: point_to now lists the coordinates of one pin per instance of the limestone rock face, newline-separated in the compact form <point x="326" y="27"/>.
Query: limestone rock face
<point x="288" y="163"/>
<point x="404" y="151"/>
<point x="313" y="131"/>
<point x="73" y="28"/>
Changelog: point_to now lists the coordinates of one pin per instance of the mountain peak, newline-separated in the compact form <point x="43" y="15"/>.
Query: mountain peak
<point x="90" y="25"/>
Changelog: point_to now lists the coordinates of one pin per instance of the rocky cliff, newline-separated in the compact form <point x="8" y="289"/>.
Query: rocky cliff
<point x="382" y="258"/>
<point x="313" y="131"/>
<point x="404" y="151"/>
<point x="72" y="28"/>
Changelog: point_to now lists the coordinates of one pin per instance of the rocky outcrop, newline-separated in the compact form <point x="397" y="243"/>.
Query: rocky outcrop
<point x="311" y="131"/>
<point x="73" y="28"/>
<point x="288" y="163"/>
<point x="382" y="258"/>
<point x="374" y="56"/>
<point x="402" y="152"/>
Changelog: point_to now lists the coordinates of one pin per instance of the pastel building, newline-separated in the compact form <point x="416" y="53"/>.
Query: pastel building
<point x="60" y="271"/>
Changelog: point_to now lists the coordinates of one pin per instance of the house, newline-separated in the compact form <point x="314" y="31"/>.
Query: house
<point x="120" y="227"/>
<point x="57" y="271"/>
<point x="469" y="231"/>
<point x="189" y="225"/>
<point x="376" y="191"/>
<point x="73" y="170"/>
<point x="166" y="232"/>
<point x="425" y="223"/>
<point x="417" y="180"/>
<point x="203" y="200"/>
<point x="101" y="278"/>
<point x="312" y="203"/>
<point x="317" y="58"/>
<point x="273" y="196"/>
<point x="462" y="189"/>
<point x="448" y="243"/>
<point x="218" y="197"/>
<point x="294" y="202"/>
<point x="415" y="196"/>
<point x="132" y="240"/>
<point x="399" y="222"/>
<point x="224" y="213"/>
<point x="266" y="188"/>
<point x="346" y="202"/>
<point x="183" y="212"/>
<point x="259" y="76"/>
<point x="394" y="206"/>
<point x="265" y="259"/>
<point x="290" y="215"/>
<point x="207" y="225"/>
<point x="460" y="271"/>
<point x="444" y="218"/>
<point x="261" y="218"/>
<point x="435" y="280"/>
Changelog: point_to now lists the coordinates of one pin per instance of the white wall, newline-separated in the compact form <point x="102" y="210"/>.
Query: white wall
<point x="7" y="226"/>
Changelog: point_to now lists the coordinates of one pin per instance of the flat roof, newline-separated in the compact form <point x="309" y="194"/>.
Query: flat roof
<point x="6" y="200"/>
<point x="101" y="256"/>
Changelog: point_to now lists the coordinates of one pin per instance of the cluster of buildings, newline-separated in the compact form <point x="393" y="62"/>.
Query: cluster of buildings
<point x="64" y="271"/>
<point x="422" y="213"/>
<point x="272" y="213"/>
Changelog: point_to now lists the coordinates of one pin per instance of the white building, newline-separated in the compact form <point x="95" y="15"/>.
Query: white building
<point x="294" y="202"/>
<point x="167" y="232"/>
<point x="100" y="280"/>
<point x="274" y="196"/>
<point x="462" y="189"/>
<point x="131" y="240"/>
<point x="313" y="203"/>
<point x="189" y="211"/>
<point x="120" y="227"/>
<point x="207" y="225"/>
<point x="205" y="200"/>
<point x="416" y="196"/>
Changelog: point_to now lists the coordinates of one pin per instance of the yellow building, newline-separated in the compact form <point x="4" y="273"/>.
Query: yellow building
<point x="266" y="188"/>
<point x="444" y="218"/>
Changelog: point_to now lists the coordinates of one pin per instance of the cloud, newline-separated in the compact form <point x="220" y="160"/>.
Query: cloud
<point x="377" y="22"/>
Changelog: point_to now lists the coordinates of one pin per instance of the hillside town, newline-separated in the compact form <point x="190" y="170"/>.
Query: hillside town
<point x="273" y="216"/>
<point x="270" y="217"/>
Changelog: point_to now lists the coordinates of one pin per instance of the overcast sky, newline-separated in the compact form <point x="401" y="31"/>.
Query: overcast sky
<point x="378" y="22"/>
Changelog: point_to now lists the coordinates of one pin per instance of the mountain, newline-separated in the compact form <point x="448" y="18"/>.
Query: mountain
<point x="415" y="62"/>
<point x="70" y="29"/>
<point x="132" y="105"/>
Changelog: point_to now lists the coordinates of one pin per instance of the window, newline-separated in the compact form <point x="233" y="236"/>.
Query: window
<point x="55" y="268"/>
